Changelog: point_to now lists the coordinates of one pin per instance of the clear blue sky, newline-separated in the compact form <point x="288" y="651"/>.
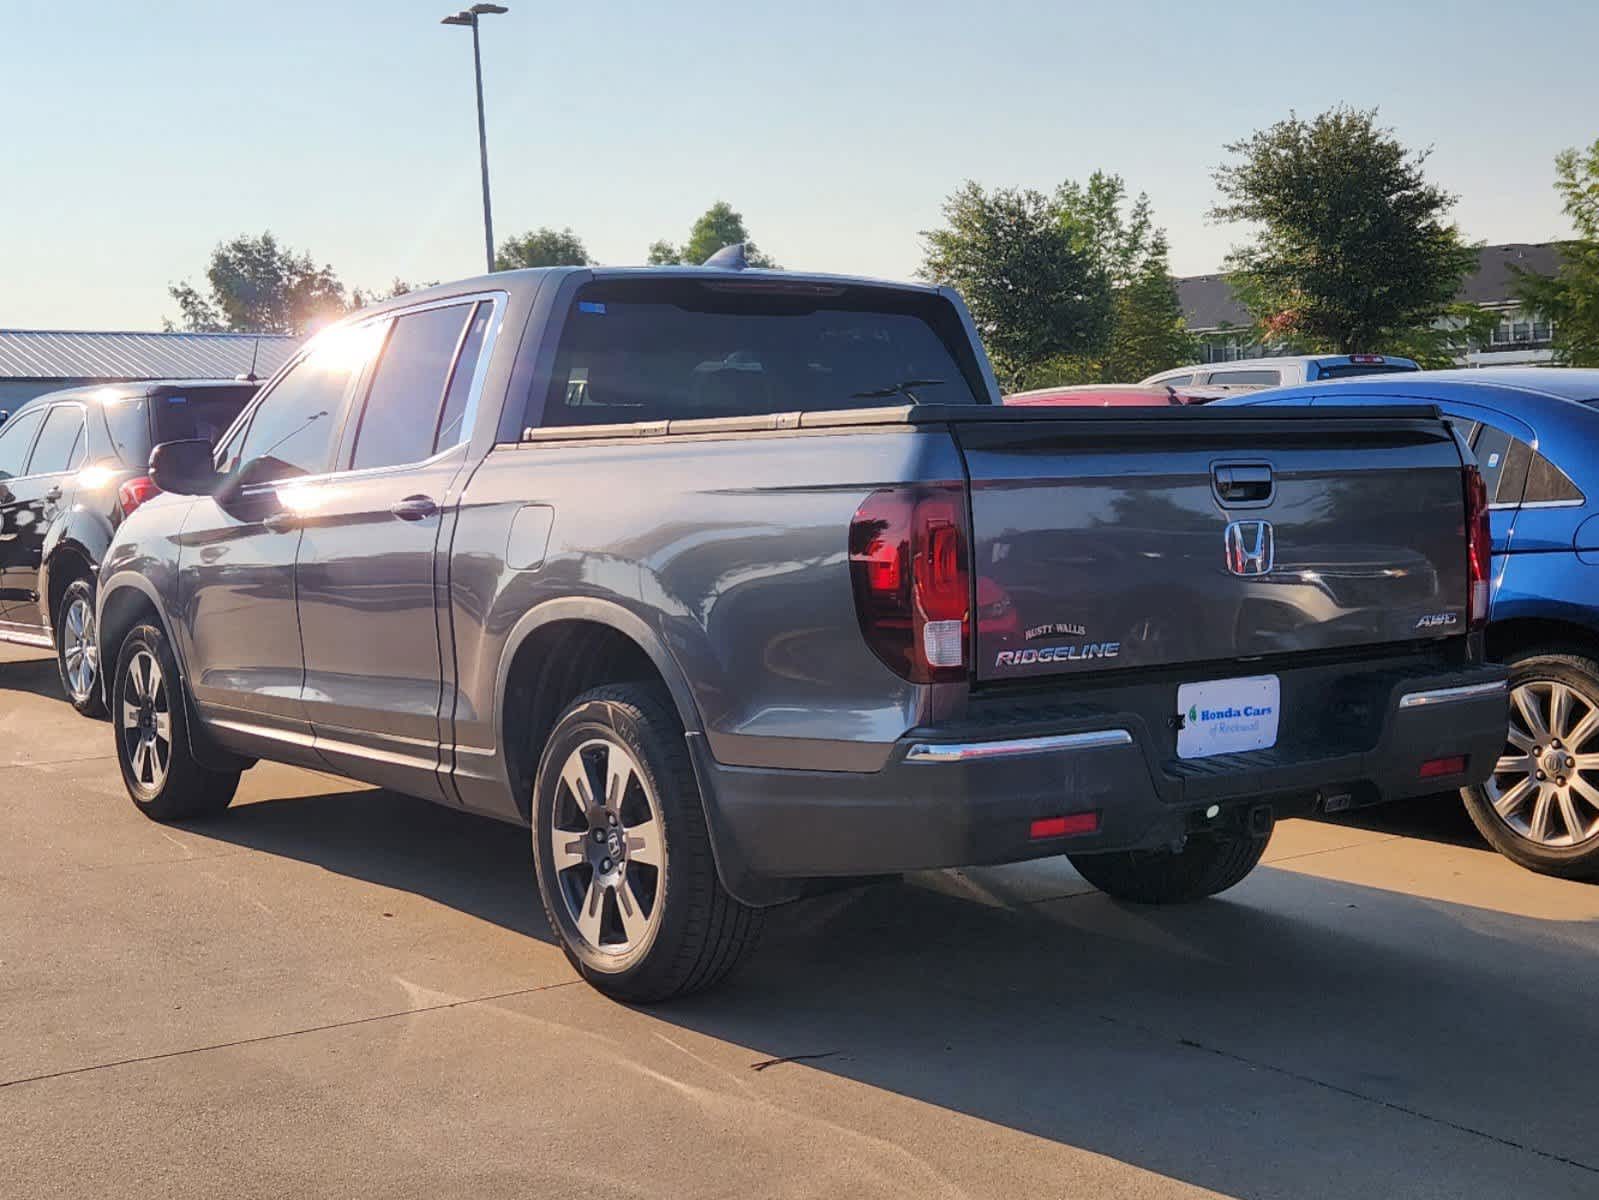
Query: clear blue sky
<point x="139" y="134"/>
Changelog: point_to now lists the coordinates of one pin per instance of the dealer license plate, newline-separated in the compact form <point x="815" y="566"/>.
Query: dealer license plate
<point x="1226" y="716"/>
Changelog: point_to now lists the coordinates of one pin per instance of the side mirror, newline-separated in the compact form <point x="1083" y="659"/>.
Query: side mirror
<point x="184" y="468"/>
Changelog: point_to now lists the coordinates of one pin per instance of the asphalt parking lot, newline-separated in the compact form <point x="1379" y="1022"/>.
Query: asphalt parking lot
<point x="335" y="991"/>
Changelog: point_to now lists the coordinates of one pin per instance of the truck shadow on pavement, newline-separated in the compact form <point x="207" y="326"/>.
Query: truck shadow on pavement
<point x="35" y="676"/>
<point x="1439" y="818"/>
<point x="1300" y="1036"/>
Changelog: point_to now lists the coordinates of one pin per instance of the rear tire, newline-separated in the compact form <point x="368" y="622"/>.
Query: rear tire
<point x="77" y="650"/>
<point x="159" y="770"/>
<point x="1204" y="866"/>
<point x="1548" y="825"/>
<point x="624" y="860"/>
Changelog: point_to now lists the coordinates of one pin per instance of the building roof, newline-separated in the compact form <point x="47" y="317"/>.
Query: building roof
<point x="1208" y="301"/>
<point x="72" y="354"/>
<point x="1493" y="282"/>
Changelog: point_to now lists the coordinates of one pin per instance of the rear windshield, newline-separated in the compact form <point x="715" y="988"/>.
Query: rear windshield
<point x="648" y="351"/>
<point x="1344" y="370"/>
<point x="138" y="425"/>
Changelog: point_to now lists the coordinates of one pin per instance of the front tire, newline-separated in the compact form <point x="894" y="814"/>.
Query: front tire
<point x="1540" y="807"/>
<point x="623" y="856"/>
<point x="77" y="648"/>
<point x="163" y="779"/>
<point x="1205" y="865"/>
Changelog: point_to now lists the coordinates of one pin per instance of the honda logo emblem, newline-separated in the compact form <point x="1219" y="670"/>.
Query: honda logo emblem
<point x="1250" y="547"/>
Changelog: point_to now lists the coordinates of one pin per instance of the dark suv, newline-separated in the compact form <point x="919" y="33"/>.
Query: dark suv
<point x="72" y="466"/>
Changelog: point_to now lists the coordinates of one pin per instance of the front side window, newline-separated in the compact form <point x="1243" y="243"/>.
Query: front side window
<point x="60" y="445"/>
<point x="292" y="430"/>
<point x="401" y="414"/>
<point x="16" y="438"/>
<point x="649" y="352"/>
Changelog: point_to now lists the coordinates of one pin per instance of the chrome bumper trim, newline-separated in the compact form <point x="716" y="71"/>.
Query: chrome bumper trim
<point x="959" y="752"/>
<point x="1445" y="695"/>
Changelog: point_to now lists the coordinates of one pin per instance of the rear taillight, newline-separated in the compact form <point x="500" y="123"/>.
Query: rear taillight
<point x="910" y="566"/>
<point x="135" y="492"/>
<point x="1478" y="544"/>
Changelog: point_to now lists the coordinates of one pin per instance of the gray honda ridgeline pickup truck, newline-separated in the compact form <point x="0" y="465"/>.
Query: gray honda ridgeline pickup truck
<point x="734" y="584"/>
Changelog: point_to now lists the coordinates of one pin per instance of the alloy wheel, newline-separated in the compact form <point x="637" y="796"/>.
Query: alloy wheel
<point x="1545" y="787"/>
<point x="79" y="650"/>
<point x="146" y="722"/>
<point x="605" y="835"/>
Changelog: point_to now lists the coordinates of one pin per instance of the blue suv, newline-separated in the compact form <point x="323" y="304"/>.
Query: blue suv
<point x="1535" y="433"/>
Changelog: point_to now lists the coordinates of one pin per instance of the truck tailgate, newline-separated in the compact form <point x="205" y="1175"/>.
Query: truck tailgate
<point x="1208" y="536"/>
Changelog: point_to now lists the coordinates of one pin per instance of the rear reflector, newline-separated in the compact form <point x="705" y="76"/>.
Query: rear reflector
<point x="1436" y="768"/>
<point x="1479" y="561"/>
<point x="1054" y="827"/>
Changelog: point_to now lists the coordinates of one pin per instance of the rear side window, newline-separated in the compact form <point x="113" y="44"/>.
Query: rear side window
<point x="451" y="420"/>
<point x="16" y="436"/>
<point x="1548" y="484"/>
<point x="129" y="424"/>
<point x="1503" y="460"/>
<point x="401" y="415"/>
<point x="1246" y="378"/>
<point x="1491" y="448"/>
<point x="60" y="445"/>
<point x="652" y="352"/>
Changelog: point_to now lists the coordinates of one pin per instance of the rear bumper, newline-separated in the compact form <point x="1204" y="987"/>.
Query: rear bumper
<point x="969" y="796"/>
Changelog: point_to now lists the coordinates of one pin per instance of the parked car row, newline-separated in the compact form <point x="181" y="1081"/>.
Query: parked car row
<point x="73" y="465"/>
<point x="1200" y="384"/>
<point x="734" y="585"/>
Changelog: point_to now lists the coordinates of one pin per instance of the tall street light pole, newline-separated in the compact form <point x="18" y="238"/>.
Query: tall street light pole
<point x="469" y="16"/>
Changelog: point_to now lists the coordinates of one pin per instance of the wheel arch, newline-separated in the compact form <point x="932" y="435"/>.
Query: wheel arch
<point x="124" y="599"/>
<point x="1518" y="635"/>
<point x="561" y="649"/>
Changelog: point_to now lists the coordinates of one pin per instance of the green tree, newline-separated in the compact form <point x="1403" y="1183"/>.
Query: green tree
<point x="720" y="225"/>
<point x="1570" y="298"/>
<point x="1036" y="292"/>
<point x="1147" y="333"/>
<point x="542" y="247"/>
<point x="254" y="285"/>
<point x="1122" y="244"/>
<point x="1354" y="249"/>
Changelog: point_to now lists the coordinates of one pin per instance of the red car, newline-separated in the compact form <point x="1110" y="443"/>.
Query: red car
<point x="1116" y="395"/>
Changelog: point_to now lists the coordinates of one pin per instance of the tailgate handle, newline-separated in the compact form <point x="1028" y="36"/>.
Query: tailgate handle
<point x="1243" y="483"/>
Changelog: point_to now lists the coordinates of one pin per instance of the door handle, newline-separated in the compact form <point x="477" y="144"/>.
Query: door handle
<point x="1243" y="483"/>
<point x="414" y="508"/>
<point x="281" y="522"/>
